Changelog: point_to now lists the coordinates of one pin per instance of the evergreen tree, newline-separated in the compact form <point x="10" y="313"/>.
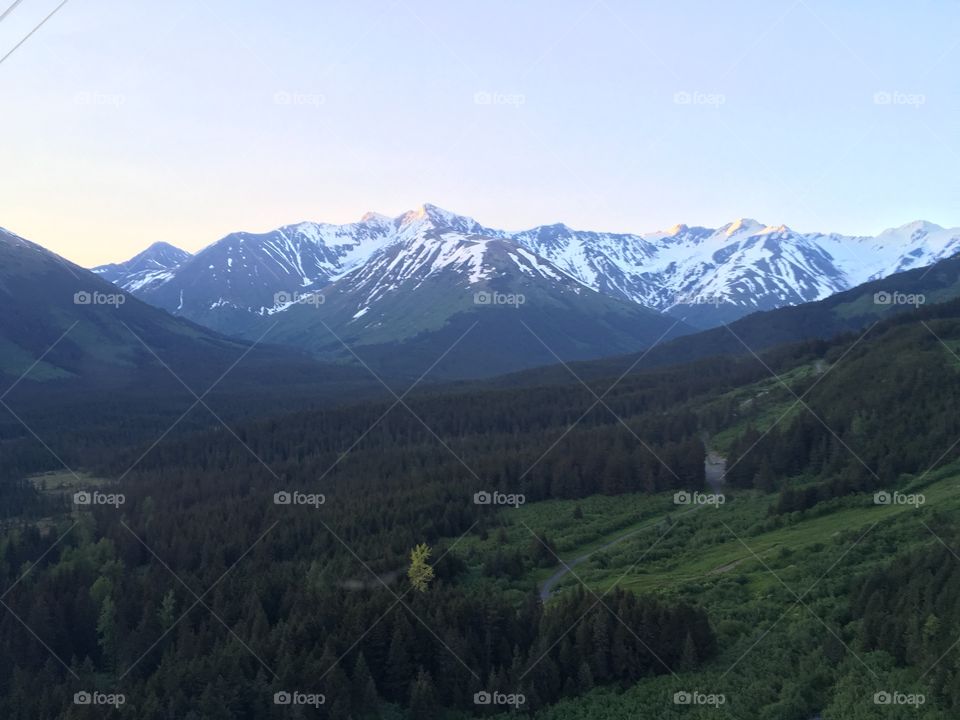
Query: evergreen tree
<point x="423" y="697"/>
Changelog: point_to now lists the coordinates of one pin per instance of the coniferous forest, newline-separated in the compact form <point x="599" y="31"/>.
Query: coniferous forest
<point x="203" y="596"/>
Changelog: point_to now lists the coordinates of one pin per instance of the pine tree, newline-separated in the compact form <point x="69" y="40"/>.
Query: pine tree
<point x="423" y="697"/>
<point x="166" y="614"/>
<point x="689" y="657"/>
<point x="107" y="632"/>
<point x="366" y="697"/>
<point x="584" y="678"/>
<point x="399" y="664"/>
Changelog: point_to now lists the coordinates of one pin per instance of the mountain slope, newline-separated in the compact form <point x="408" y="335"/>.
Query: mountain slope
<point x="439" y="278"/>
<point x="85" y="370"/>
<point x="229" y="282"/>
<point x="850" y="311"/>
<point x="62" y="322"/>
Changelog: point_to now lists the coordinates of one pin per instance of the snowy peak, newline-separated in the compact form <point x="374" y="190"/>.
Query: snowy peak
<point x="150" y="266"/>
<point x="436" y="246"/>
<point x="373" y="218"/>
<point x="775" y="230"/>
<point x="439" y="219"/>
<point x="741" y="225"/>
<point x="159" y="256"/>
<point x="914" y="229"/>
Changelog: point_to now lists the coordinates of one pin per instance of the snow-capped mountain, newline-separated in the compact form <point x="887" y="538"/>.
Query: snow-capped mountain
<point x="369" y="268"/>
<point x="445" y="287"/>
<point x="153" y="265"/>
<point x="412" y="279"/>
<point x="240" y="274"/>
<point x="717" y="275"/>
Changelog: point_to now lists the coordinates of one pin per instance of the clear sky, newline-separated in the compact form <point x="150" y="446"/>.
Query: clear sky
<point x="124" y="123"/>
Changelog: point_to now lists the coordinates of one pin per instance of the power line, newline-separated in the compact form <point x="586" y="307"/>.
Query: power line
<point x="10" y="9"/>
<point x="29" y="34"/>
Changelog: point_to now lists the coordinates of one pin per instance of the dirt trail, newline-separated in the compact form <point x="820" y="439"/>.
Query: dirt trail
<point x="546" y="588"/>
<point x="715" y="466"/>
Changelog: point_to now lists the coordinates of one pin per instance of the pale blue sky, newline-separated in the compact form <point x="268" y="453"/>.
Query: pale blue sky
<point x="126" y="123"/>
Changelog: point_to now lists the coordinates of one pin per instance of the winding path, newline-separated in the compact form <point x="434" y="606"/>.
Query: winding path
<point x="546" y="588"/>
<point x="714" y="468"/>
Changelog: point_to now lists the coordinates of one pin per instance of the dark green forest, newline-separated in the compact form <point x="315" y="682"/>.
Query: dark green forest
<point x="201" y="597"/>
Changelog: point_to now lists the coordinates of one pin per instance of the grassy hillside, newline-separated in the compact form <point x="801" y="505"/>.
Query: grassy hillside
<point x="778" y="658"/>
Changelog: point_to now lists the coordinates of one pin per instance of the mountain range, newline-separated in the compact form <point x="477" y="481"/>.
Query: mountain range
<point x="402" y="293"/>
<point x="707" y="275"/>
<point x="405" y="289"/>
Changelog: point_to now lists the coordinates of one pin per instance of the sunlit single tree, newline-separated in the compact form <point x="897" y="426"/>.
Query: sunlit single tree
<point x="420" y="572"/>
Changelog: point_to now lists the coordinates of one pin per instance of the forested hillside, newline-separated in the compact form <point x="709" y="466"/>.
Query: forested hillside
<point x="202" y="595"/>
